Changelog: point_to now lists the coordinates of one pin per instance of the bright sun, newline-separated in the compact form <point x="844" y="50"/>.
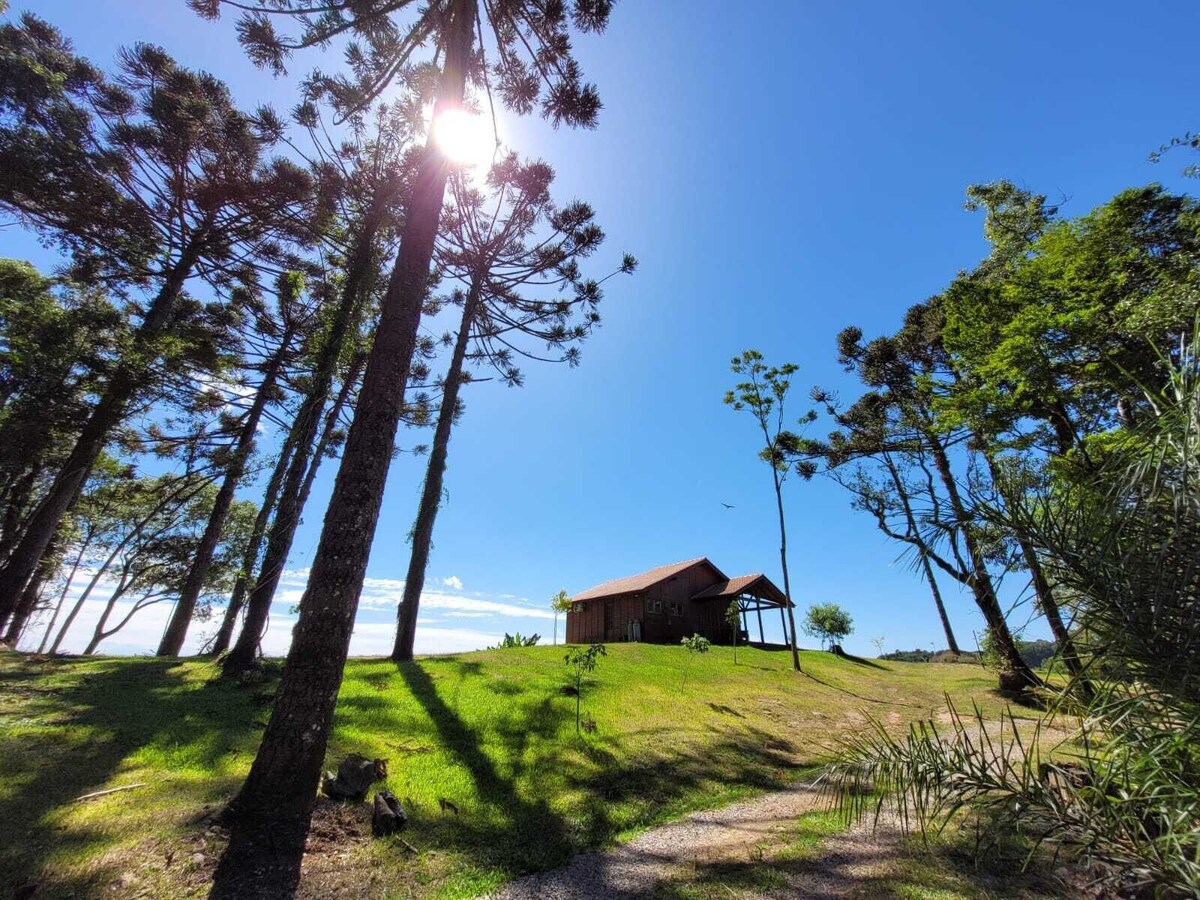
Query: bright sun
<point x="466" y="139"/>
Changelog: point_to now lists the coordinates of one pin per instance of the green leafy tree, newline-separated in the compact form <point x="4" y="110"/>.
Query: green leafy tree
<point x="764" y="394"/>
<point x="828" y="622"/>
<point x="892" y="452"/>
<point x="560" y="603"/>
<point x="582" y="661"/>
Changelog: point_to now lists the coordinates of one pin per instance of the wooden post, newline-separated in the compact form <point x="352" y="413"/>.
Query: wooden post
<point x="758" y="609"/>
<point x="783" y="620"/>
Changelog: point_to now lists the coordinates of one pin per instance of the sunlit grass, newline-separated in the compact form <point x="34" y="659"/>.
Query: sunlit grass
<point x="488" y="734"/>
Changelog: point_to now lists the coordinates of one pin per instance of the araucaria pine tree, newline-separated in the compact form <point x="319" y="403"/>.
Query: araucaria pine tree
<point x="271" y="813"/>
<point x="764" y="394"/>
<point x="147" y="182"/>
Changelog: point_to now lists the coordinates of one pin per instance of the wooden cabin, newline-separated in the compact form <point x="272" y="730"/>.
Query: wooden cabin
<point x="672" y="602"/>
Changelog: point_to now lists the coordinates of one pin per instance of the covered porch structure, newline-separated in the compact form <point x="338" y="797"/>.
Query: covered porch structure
<point x="753" y="594"/>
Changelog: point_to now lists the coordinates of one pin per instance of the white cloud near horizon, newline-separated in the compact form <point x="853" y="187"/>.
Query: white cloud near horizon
<point x="489" y="620"/>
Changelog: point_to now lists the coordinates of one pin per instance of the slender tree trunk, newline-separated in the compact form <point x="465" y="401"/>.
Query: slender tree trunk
<point x="98" y="633"/>
<point x="87" y="592"/>
<point x="62" y="596"/>
<point x="911" y="521"/>
<point x="185" y="608"/>
<point x="250" y="560"/>
<point x="308" y="420"/>
<point x="1042" y="590"/>
<point x="980" y="579"/>
<point x="353" y="373"/>
<point x="134" y="533"/>
<point x="305" y="460"/>
<point x="941" y="607"/>
<point x="14" y="512"/>
<point x="25" y="608"/>
<point x="787" y="584"/>
<point x="431" y="494"/>
<point x="271" y="814"/>
<point x="108" y="413"/>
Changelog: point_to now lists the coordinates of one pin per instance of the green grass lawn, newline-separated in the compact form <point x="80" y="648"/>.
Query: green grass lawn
<point x="492" y="733"/>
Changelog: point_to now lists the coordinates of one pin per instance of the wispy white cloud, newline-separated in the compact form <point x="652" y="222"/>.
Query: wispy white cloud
<point x="453" y="582"/>
<point x="490" y="618"/>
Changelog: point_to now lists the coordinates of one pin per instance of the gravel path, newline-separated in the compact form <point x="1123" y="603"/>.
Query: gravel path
<point x="634" y="869"/>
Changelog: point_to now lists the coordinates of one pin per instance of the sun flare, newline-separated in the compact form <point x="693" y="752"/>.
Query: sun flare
<point x="465" y="138"/>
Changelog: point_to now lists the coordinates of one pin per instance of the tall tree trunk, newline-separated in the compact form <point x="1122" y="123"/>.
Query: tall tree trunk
<point x="787" y="584"/>
<point x="431" y="493"/>
<point x="108" y="413"/>
<point x="1042" y="590"/>
<point x="911" y="521"/>
<point x="245" y="576"/>
<point x="941" y="607"/>
<point x="15" y="510"/>
<point x="305" y="427"/>
<point x="980" y="580"/>
<point x="271" y="814"/>
<point x="185" y="608"/>
<point x="27" y="605"/>
<point x="25" y="608"/>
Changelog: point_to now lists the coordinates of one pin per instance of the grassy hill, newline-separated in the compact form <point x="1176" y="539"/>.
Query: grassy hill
<point x="489" y="734"/>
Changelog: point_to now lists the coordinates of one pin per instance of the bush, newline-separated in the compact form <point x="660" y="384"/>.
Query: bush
<point x="516" y="640"/>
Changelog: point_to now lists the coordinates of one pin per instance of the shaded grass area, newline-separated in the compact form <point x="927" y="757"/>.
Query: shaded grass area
<point x="481" y="747"/>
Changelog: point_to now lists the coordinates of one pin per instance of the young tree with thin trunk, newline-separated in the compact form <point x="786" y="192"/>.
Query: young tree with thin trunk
<point x="560" y="604"/>
<point x="764" y="394"/>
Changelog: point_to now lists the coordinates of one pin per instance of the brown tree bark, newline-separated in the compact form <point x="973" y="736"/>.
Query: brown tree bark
<point x="185" y="608"/>
<point x="108" y="413"/>
<point x="1044" y="593"/>
<point x="294" y="493"/>
<point x="25" y="608"/>
<point x="271" y="814"/>
<point x="237" y="598"/>
<point x="911" y="520"/>
<point x="979" y="580"/>
<point x="431" y="493"/>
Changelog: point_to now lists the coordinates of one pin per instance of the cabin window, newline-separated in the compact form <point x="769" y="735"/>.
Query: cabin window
<point x="654" y="606"/>
<point x="677" y="609"/>
<point x="581" y="607"/>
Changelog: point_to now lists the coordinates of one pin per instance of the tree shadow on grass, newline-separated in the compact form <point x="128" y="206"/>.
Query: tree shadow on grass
<point x="862" y="661"/>
<point x="518" y="825"/>
<point x="68" y="727"/>
<point x="511" y="832"/>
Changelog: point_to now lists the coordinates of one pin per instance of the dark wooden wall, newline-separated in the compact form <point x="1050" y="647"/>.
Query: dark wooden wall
<point x="606" y="620"/>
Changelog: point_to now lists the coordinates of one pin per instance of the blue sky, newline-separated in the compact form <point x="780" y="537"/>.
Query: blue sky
<point x="781" y="170"/>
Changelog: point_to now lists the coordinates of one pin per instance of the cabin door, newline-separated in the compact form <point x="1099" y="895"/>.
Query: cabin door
<point x="608" y="620"/>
